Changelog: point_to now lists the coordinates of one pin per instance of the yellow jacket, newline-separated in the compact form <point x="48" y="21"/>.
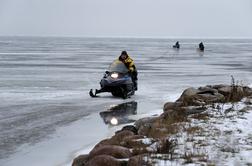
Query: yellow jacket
<point x="129" y="63"/>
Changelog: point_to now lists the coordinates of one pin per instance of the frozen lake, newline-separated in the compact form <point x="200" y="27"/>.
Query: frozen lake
<point x="46" y="114"/>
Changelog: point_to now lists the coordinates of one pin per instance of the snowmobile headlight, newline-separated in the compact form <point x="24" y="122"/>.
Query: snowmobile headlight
<point x="114" y="75"/>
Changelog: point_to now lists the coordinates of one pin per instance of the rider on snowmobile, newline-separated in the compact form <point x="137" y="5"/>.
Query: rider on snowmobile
<point x="129" y="63"/>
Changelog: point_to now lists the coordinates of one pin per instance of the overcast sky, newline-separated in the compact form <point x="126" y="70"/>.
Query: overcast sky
<point x="138" y="18"/>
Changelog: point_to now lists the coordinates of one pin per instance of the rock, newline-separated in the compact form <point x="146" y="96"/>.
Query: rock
<point x="201" y="96"/>
<point x="136" y="144"/>
<point x="226" y="91"/>
<point x="145" y="121"/>
<point x="143" y="145"/>
<point x="187" y="94"/>
<point x="120" y="136"/>
<point x="194" y="109"/>
<point x="117" y="139"/>
<point x="235" y="93"/>
<point x="172" y="106"/>
<point x="129" y="128"/>
<point x="169" y="106"/>
<point x="173" y="116"/>
<point x="80" y="160"/>
<point x="208" y="98"/>
<point x="217" y="86"/>
<point x="209" y="90"/>
<point x="145" y="129"/>
<point x="132" y="141"/>
<point x="112" y="150"/>
<point x="103" y="160"/>
<point x="247" y="91"/>
<point x="103" y="142"/>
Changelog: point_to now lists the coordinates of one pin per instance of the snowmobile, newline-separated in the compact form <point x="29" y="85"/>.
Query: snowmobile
<point x="177" y="45"/>
<point x="201" y="47"/>
<point x="117" y="80"/>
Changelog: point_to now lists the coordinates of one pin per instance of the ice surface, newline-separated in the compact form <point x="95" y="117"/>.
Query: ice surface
<point x="44" y="84"/>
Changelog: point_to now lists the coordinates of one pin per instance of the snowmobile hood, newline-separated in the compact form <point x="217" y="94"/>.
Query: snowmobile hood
<point x="118" y="66"/>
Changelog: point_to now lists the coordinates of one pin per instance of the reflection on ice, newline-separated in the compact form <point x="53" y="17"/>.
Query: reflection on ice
<point x="201" y="53"/>
<point x="119" y="114"/>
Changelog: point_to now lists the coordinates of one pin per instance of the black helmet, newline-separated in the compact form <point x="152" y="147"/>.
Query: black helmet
<point x="124" y="53"/>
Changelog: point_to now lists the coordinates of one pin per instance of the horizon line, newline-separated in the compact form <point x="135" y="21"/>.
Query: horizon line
<point x="127" y="37"/>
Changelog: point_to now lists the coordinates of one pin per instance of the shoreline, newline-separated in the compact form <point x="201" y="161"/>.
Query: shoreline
<point x="151" y="139"/>
<point x="87" y="149"/>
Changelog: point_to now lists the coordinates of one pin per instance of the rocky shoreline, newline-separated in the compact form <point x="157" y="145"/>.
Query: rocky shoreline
<point x="201" y="127"/>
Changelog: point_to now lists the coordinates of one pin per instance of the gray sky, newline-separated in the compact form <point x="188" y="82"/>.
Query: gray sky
<point x="138" y="18"/>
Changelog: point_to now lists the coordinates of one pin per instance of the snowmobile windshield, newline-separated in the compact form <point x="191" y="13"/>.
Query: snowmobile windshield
<point x="118" y="66"/>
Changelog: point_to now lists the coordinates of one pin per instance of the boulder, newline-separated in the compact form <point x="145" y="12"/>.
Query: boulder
<point x="207" y="98"/>
<point x="218" y="86"/>
<point x="187" y="94"/>
<point x="129" y="128"/>
<point x="131" y="141"/>
<point x="145" y="129"/>
<point x="112" y="150"/>
<point x="226" y="91"/>
<point x="118" y="138"/>
<point x="80" y="160"/>
<point x="103" y="160"/>
<point x="172" y="106"/>
<point x="173" y="115"/>
<point x="207" y="89"/>
<point x="194" y="109"/>
<point x="200" y="96"/>
<point x="145" y="121"/>
<point x="247" y="91"/>
<point x="103" y="142"/>
<point x="232" y="93"/>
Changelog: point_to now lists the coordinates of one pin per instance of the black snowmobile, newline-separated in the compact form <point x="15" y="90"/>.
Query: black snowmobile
<point x="177" y="45"/>
<point x="201" y="47"/>
<point x="116" y="80"/>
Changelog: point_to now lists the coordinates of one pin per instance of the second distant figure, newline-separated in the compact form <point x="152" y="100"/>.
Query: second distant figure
<point x="201" y="46"/>
<point x="177" y="45"/>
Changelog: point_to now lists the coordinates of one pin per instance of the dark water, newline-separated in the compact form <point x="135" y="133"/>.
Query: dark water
<point x="44" y="82"/>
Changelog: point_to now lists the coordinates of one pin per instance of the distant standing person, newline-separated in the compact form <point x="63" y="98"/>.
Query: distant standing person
<point x="201" y="46"/>
<point x="177" y="45"/>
